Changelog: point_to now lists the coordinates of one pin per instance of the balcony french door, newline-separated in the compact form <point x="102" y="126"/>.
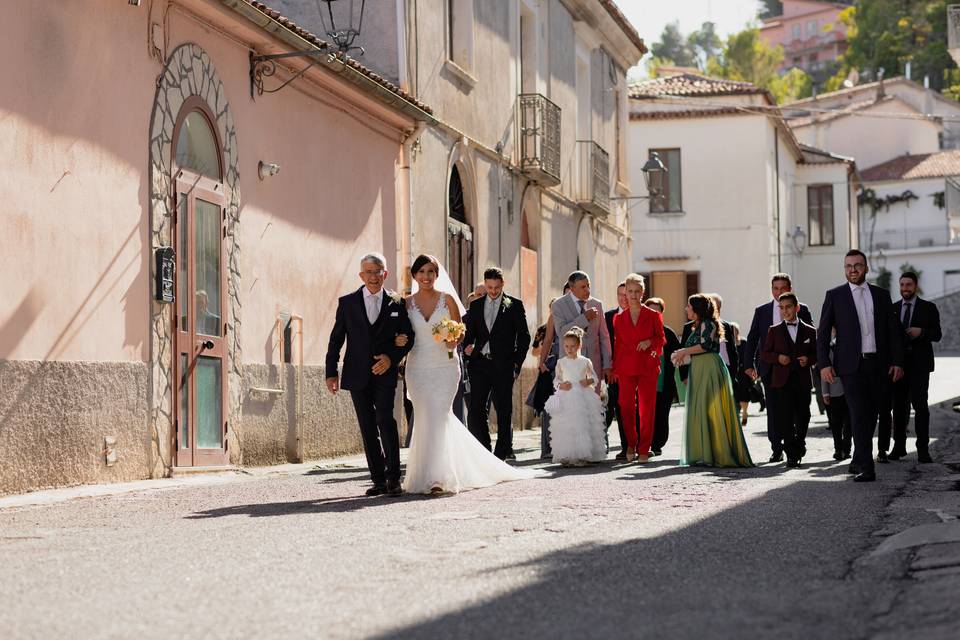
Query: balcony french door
<point x="200" y="366"/>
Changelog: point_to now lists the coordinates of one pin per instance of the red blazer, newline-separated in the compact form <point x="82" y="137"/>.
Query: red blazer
<point x="627" y="361"/>
<point x="778" y="342"/>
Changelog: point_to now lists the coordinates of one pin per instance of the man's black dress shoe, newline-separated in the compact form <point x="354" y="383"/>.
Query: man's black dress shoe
<point x="621" y="456"/>
<point x="866" y="476"/>
<point x="394" y="489"/>
<point x="845" y="456"/>
<point x="793" y="463"/>
<point x="376" y="490"/>
<point x="923" y="457"/>
<point x="776" y="457"/>
<point x="853" y="469"/>
<point x="511" y="456"/>
<point x="838" y="455"/>
<point x="656" y="452"/>
<point x="882" y="457"/>
<point x="896" y="454"/>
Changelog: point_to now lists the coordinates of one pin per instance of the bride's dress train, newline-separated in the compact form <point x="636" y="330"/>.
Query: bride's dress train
<point x="444" y="455"/>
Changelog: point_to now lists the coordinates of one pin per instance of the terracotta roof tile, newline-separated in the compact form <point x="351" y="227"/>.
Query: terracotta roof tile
<point x="676" y="114"/>
<point x="915" y="167"/>
<point x="691" y="84"/>
<point x="315" y="40"/>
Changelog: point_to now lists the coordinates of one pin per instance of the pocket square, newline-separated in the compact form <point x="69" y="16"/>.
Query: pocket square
<point x="806" y="341"/>
<point x="394" y="314"/>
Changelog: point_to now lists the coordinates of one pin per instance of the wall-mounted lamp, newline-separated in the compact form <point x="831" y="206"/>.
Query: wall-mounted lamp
<point x="267" y="169"/>
<point x="799" y="238"/>
<point x="881" y="260"/>
<point x="133" y="3"/>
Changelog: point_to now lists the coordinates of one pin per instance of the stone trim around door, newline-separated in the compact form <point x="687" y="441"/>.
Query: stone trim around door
<point x="190" y="72"/>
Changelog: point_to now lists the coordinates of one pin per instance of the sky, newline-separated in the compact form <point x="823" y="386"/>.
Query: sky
<point x="651" y="16"/>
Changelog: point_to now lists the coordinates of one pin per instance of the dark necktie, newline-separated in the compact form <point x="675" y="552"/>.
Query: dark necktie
<point x="582" y="305"/>
<point x="908" y="309"/>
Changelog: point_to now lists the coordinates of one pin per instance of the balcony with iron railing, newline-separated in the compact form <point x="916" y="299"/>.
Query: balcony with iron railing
<point x="593" y="177"/>
<point x="539" y="138"/>
<point x="910" y="238"/>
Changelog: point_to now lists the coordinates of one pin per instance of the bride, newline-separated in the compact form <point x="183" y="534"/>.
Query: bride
<point x="444" y="456"/>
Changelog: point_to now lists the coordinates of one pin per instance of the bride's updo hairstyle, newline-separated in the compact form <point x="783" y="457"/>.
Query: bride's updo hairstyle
<point x="421" y="260"/>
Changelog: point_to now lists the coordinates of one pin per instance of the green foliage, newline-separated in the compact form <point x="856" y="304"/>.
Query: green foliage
<point x="673" y="46"/>
<point x="793" y="85"/>
<point x="746" y="57"/>
<point x="889" y="33"/>
<point x="770" y="8"/>
<point x="676" y="50"/>
<point x="884" y="278"/>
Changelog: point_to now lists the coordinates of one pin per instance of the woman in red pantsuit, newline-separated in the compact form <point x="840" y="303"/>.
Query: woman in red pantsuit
<point x="636" y="365"/>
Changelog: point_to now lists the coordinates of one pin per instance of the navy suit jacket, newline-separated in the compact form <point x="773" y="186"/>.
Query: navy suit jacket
<point x="840" y="312"/>
<point x="762" y="321"/>
<point x="926" y="317"/>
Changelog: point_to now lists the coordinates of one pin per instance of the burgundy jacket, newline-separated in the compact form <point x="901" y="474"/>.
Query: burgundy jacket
<point x="778" y="343"/>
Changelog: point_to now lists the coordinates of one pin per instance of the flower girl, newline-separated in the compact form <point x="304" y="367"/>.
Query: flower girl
<point x="576" y="415"/>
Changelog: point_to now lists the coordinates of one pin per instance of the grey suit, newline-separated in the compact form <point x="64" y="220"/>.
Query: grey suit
<point x="596" y="339"/>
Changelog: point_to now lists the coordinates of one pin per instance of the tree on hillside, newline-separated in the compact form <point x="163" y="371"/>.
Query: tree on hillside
<point x="770" y="9"/>
<point x="705" y="43"/>
<point x="674" y="47"/>
<point x="747" y="57"/>
<point x="889" y="33"/>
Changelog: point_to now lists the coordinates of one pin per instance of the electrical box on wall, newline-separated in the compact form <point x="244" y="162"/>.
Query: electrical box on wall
<point x="165" y="267"/>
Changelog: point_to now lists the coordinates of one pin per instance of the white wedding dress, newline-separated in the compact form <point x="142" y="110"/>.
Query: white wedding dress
<point x="444" y="455"/>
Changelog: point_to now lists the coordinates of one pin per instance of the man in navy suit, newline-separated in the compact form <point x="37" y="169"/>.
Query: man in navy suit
<point x="764" y="317"/>
<point x="369" y="320"/>
<point x="868" y="354"/>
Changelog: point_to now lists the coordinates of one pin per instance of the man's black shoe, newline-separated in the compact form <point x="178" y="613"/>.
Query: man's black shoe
<point x="511" y="456"/>
<point x="846" y="455"/>
<point x="853" y="469"/>
<point x="394" y="489"/>
<point x="882" y="457"/>
<point x="838" y="455"/>
<point x="376" y="490"/>
<point x="656" y="452"/>
<point x="923" y="457"/>
<point x="793" y="463"/>
<point x="896" y="454"/>
<point x="866" y="476"/>
<point x="776" y="457"/>
<point x="621" y="456"/>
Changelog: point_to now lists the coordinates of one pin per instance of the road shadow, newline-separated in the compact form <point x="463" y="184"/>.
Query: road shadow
<point x="323" y="505"/>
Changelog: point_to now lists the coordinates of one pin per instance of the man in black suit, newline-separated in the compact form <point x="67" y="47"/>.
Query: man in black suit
<point x="496" y="345"/>
<point x="613" y="389"/>
<point x="868" y="354"/>
<point x="370" y="319"/>
<point x="920" y="323"/>
<point x="764" y="317"/>
<point x="790" y="349"/>
<point x="666" y="383"/>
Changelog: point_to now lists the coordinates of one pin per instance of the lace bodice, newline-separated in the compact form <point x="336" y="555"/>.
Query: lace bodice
<point x="707" y="336"/>
<point x="427" y="352"/>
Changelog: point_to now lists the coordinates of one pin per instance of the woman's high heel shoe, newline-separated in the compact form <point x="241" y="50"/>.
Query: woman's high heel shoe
<point x="631" y="454"/>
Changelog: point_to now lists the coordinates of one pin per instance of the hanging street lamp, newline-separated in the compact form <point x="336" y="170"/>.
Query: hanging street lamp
<point x="342" y="36"/>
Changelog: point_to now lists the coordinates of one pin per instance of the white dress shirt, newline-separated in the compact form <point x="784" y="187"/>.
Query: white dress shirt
<point x="864" y="303"/>
<point x="792" y="328"/>
<point x="777" y="318"/>
<point x="373" y="302"/>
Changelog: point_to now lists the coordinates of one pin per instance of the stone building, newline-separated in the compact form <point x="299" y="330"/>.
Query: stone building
<point x="177" y="225"/>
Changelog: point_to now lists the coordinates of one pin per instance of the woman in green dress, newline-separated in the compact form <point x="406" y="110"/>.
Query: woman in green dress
<point x="712" y="433"/>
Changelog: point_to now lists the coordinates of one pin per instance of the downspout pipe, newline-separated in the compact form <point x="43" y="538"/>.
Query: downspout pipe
<point x="776" y="161"/>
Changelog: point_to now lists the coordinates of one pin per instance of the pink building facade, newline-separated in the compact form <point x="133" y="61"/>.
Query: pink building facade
<point x="811" y="34"/>
<point x="175" y="240"/>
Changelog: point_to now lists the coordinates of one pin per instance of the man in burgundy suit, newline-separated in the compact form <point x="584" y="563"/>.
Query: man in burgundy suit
<point x="791" y="349"/>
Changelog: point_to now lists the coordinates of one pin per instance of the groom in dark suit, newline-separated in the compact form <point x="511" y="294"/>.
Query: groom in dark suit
<point x="867" y="356"/>
<point x="496" y="345"/>
<point x="764" y="317"/>
<point x="370" y="319"/>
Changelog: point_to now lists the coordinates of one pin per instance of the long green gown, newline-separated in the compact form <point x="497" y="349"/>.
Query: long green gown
<point x="712" y="434"/>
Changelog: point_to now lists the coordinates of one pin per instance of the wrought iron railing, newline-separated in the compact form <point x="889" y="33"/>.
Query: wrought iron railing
<point x="910" y="238"/>
<point x="593" y="179"/>
<point x="539" y="138"/>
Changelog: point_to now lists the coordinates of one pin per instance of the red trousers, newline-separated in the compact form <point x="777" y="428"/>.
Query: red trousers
<point x="643" y="392"/>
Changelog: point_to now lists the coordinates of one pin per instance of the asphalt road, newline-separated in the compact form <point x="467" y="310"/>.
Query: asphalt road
<point x="609" y="551"/>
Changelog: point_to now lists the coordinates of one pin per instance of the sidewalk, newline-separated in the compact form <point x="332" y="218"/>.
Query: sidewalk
<point x="526" y="444"/>
<point x="921" y="549"/>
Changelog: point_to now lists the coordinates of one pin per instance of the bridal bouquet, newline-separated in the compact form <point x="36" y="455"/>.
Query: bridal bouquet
<point x="450" y="331"/>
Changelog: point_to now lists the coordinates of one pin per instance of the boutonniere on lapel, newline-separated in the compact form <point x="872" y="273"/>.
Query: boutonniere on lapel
<point x="506" y="303"/>
<point x="395" y="297"/>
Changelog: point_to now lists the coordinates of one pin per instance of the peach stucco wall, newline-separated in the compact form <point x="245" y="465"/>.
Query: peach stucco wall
<point x="74" y="126"/>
